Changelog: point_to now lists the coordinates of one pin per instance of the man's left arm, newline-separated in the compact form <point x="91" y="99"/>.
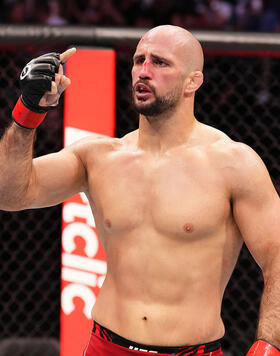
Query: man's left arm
<point x="256" y="209"/>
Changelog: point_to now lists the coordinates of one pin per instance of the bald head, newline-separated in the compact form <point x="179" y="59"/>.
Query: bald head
<point x="178" y="41"/>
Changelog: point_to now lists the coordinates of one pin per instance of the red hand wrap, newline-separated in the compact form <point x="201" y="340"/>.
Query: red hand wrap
<point x="263" y="348"/>
<point x="26" y="118"/>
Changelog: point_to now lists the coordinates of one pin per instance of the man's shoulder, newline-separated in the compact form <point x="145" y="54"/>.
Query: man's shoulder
<point x="236" y="155"/>
<point x="225" y="148"/>
<point x="96" y="146"/>
<point x="237" y="162"/>
<point x="95" y="143"/>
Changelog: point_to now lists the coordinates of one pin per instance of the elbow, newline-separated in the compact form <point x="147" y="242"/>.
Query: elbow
<point x="11" y="206"/>
<point x="15" y="196"/>
<point x="272" y="265"/>
<point x="11" y="203"/>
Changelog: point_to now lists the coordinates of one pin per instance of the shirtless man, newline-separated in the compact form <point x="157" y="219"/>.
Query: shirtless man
<point x="173" y="202"/>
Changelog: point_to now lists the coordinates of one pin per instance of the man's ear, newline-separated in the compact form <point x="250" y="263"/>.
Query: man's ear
<point x="193" y="82"/>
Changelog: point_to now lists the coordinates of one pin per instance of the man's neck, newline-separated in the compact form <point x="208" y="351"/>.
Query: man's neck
<point x="158" y="134"/>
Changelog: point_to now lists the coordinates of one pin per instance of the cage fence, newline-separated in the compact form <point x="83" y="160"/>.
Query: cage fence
<point x="240" y="96"/>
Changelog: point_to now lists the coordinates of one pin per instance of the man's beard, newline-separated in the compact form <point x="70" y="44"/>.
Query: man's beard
<point x="160" y="104"/>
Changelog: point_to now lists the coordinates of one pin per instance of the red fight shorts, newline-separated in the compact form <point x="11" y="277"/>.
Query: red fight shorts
<point x="104" y="342"/>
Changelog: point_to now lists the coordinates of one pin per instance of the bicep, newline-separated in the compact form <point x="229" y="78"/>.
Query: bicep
<point x="55" y="177"/>
<point x="256" y="209"/>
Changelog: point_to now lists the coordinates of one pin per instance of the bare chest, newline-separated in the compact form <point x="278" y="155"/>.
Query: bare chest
<point x="171" y="196"/>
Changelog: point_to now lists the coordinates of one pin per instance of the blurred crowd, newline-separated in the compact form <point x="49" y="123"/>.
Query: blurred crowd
<point x="232" y="15"/>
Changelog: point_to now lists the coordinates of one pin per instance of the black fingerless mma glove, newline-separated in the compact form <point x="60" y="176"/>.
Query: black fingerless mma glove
<point x="36" y="78"/>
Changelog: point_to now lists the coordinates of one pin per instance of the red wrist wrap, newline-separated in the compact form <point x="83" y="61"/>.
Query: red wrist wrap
<point x="26" y="118"/>
<point x="263" y="348"/>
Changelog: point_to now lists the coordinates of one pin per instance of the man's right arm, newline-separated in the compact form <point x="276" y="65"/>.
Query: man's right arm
<point x="26" y="182"/>
<point x="32" y="183"/>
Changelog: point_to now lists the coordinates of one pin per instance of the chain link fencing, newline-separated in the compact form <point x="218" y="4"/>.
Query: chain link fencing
<point x="240" y="96"/>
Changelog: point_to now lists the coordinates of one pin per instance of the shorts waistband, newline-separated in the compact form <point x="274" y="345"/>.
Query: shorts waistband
<point x="169" y="350"/>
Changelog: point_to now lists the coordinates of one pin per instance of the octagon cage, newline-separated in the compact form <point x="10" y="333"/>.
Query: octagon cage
<point x="240" y="96"/>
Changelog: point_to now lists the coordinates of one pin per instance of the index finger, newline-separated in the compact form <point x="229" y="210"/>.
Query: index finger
<point x="65" y="55"/>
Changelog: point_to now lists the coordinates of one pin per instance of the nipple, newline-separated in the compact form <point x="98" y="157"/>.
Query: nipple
<point x="108" y="223"/>
<point x="188" y="227"/>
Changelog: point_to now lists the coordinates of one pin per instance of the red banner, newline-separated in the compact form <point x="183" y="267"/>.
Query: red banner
<point x="89" y="106"/>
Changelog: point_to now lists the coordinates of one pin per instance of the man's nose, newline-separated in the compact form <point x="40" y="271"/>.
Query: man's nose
<point x="145" y="72"/>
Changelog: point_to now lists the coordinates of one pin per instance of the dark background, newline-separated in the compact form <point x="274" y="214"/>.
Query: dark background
<point x="234" y="15"/>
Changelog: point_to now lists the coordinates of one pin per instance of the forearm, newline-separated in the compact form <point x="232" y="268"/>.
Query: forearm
<point x="269" y="325"/>
<point x="16" y="153"/>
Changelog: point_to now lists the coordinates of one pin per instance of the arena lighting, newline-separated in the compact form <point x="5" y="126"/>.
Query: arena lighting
<point x="89" y="107"/>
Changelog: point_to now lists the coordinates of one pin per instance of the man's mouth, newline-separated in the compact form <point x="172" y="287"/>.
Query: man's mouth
<point x="142" y="91"/>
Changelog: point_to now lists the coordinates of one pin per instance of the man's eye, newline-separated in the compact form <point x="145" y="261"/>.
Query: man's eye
<point x="160" y="62"/>
<point x="139" y="61"/>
